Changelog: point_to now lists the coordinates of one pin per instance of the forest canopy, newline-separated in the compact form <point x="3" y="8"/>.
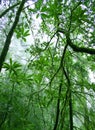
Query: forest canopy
<point x="47" y="70"/>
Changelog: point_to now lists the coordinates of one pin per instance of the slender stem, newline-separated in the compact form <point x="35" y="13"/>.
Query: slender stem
<point x="7" y="10"/>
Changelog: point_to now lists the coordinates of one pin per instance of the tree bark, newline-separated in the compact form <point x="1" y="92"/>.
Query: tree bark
<point x="10" y="34"/>
<point x="75" y="47"/>
<point x="58" y="108"/>
<point x="70" y="99"/>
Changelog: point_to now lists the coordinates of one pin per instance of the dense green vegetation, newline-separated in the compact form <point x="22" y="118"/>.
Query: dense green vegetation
<point x="47" y="65"/>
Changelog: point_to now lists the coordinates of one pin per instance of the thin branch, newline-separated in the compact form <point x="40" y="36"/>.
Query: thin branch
<point x="55" y="49"/>
<point x="7" y="10"/>
<point x="72" y="15"/>
<point x="82" y="93"/>
<point x="81" y="114"/>
<point x="62" y="58"/>
<point x="54" y="75"/>
<point x="49" y="41"/>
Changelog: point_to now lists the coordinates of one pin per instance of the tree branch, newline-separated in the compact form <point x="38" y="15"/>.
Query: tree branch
<point x="75" y="47"/>
<point x="58" y="108"/>
<point x="70" y="99"/>
<point x="10" y="34"/>
<point x="80" y="49"/>
<point x="61" y="64"/>
<point x="5" y="11"/>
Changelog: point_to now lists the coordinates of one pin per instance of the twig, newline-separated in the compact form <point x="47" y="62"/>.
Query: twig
<point x="7" y="10"/>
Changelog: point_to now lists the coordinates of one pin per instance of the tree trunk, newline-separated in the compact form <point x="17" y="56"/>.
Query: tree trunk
<point x="10" y="34"/>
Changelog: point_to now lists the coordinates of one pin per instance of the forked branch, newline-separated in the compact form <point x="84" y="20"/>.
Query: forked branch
<point x="75" y="47"/>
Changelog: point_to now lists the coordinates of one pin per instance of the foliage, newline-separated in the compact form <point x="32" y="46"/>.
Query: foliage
<point x="51" y="89"/>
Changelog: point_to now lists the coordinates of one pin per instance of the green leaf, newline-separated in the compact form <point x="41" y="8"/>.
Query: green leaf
<point x="16" y="65"/>
<point x="24" y="39"/>
<point x="44" y="9"/>
<point x="26" y="33"/>
<point x="38" y="4"/>
<point x="22" y="30"/>
<point x="10" y="61"/>
<point x="44" y="16"/>
<point x="6" y="65"/>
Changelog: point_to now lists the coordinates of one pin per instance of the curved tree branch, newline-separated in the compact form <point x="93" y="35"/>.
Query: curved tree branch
<point x="75" y="47"/>
<point x="80" y="49"/>
<point x="6" y="11"/>
<point x="10" y="34"/>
